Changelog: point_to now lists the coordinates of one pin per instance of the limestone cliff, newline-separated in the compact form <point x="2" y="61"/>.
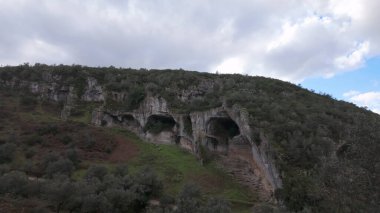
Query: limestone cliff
<point x="272" y="136"/>
<point x="240" y="146"/>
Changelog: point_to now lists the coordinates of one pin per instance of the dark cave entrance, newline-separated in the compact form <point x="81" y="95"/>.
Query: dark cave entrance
<point x="159" y="123"/>
<point x="220" y="130"/>
<point x="130" y="121"/>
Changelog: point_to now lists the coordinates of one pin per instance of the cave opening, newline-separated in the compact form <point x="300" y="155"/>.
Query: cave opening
<point x="220" y="130"/>
<point x="159" y="123"/>
<point x="129" y="121"/>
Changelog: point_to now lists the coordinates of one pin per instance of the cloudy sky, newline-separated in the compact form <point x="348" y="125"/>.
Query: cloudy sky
<point x="331" y="46"/>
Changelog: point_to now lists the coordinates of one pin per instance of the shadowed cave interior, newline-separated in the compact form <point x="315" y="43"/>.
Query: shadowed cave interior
<point x="159" y="123"/>
<point x="219" y="131"/>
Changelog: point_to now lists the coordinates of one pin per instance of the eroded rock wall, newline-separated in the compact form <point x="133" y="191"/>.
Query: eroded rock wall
<point x="240" y="148"/>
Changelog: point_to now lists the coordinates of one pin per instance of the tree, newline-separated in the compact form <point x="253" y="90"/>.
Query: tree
<point x="14" y="183"/>
<point x="148" y="182"/>
<point x="96" y="203"/>
<point x="59" y="192"/>
<point x="189" y="199"/>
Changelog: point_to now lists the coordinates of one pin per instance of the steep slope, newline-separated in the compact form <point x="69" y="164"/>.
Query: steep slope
<point x="304" y="149"/>
<point x="37" y="149"/>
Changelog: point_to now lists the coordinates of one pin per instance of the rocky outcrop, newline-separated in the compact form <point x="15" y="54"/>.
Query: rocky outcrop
<point x="93" y="92"/>
<point x="257" y="158"/>
<point x="233" y="143"/>
<point x="240" y="148"/>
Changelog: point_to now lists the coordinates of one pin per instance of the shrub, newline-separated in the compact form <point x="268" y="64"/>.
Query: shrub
<point x="28" y="102"/>
<point x="49" y="129"/>
<point x="89" y="142"/>
<point x="62" y="166"/>
<point x="135" y="97"/>
<point x="95" y="203"/>
<point x="66" y="139"/>
<point x="96" y="172"/>
<point x="72" y="155"/>
<point x="121" y="170"/>
<point x="216" y="205"/>
<point x="189" y="199"/>
<point x="33" y="140"/>
<point x="7" y="152"/>
<point x="148" y="181"/>
<point x="30" y="152"/>
<point x="13" y="183"/>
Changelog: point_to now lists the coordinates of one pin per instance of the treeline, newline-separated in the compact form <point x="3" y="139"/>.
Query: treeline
<point x="103" y="191"/>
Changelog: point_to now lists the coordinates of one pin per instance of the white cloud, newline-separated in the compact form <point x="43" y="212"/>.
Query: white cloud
<point x="350" y="94"/>
<point x="231" y="66"/>
<point x="367" y="99"/>
<point x="291" y="41"/>
<point x="354" y="58"/>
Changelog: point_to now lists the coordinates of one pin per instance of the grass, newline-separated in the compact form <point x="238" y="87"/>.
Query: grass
<point x="177" y="167"/>
<point x="86" y="110"/>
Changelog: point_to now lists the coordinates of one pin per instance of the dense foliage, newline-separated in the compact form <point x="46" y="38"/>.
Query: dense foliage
<point x="50" y="165"/>
<point x="326" y="150"/>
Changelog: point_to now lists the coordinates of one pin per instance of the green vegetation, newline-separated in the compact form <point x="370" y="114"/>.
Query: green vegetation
<point x="325" y="150"/>
<point x="48" y="165"/>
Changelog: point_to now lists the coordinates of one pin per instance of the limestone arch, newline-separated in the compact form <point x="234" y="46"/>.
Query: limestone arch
<point x="220" y="130"/>
<point x="162" y="129"/>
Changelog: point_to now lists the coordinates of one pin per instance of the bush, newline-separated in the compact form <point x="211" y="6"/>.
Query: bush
<point x="28" y="102"/>
<point x="135" y="97"/>
<point x="33" y="140"/>
<point x="189" y="199"/>
<point x="89" y="142"/>
<point x="148" y="181"/>
<point x="30" y="152"/>
<point x="50" y="129"/>
<point x="14" y="183"/>
<point x="48" y="159"/>
<point x="216" y="205"/>
<point x="72" y="155"/>
<point x="7" y="152"/>
<point x="95" y="203"/>
<point x="60" y="192"/>
<point x="96" y="172"/>
<point x="121" y="170"/>
<point x="66" y="139"/>
<point x="62" y="167"/>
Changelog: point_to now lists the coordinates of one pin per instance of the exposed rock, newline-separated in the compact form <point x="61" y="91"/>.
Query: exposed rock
<point x="93" y="91"/>
<point x="248" y="162"/>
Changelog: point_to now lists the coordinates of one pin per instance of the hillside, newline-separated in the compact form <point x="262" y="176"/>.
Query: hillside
<point x="288" y="145"/>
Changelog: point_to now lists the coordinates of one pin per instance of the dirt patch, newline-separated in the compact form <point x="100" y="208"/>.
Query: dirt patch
<point x="124" y="151"/>
<point x="208" y="181"/>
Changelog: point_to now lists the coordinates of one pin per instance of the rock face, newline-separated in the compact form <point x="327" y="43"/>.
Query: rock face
<point x="224" y="131"/>
<point x="93" y="92"/>
<point x="238" y="147"/>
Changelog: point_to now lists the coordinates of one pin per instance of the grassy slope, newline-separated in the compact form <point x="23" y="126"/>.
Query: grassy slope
<point x="174" y="165"/>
